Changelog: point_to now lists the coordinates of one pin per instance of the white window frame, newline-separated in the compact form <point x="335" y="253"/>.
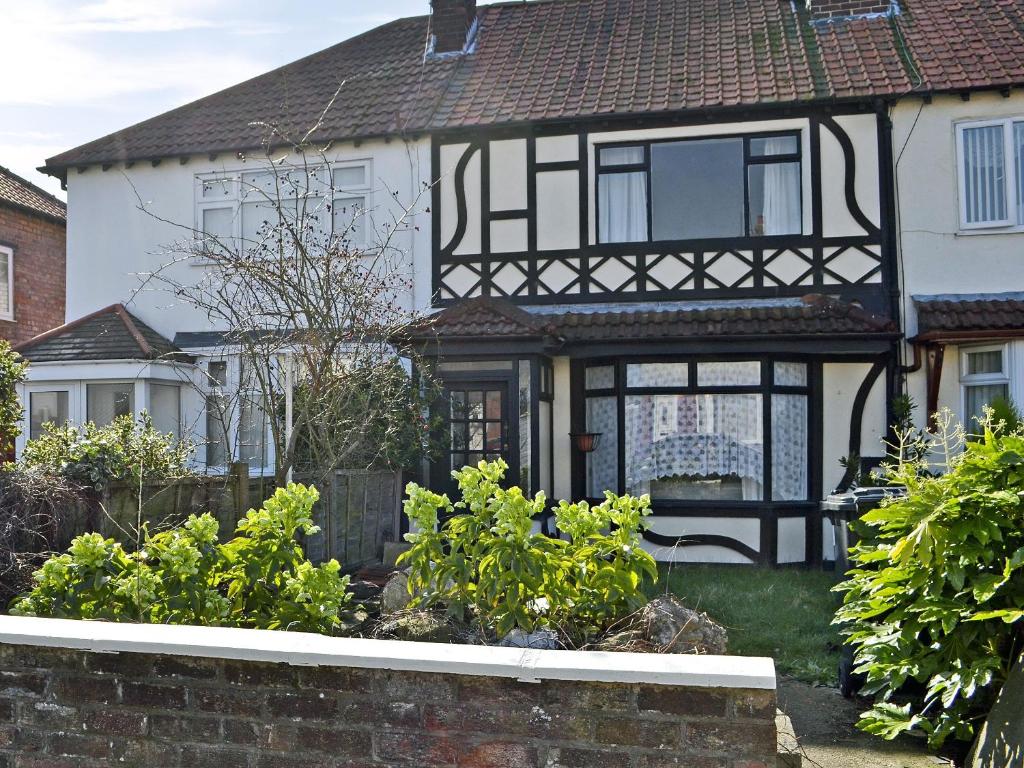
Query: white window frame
<point x="9" y="252"/>
<point x="237" y="196"/>
<point x="982" y="379"/>
<point x="1009" y="224"/>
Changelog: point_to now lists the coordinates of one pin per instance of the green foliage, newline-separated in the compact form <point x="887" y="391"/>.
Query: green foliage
<point x="480" y="556"/>
<point x="119" y="452"/>
<point x="12" y="373"/>
<point x="937" y="594"/>
<point x="1006" y="414"/>
<point x="260" y="579"/>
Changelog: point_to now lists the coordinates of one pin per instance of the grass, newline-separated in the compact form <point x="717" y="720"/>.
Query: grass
<point x="784" y="614"/>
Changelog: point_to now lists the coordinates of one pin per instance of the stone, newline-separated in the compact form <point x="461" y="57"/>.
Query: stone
<point x="541" y="639"/>
<point x="1000" y="742"/>
<point x="671" y="627"/>
<point x="395" y="596"/>
<point x="417" y="626"/>
<point x="364" y="591"/>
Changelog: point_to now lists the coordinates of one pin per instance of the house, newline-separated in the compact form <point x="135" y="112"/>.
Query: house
<point x="32" y="224"/>
<point x="682" y="249"/>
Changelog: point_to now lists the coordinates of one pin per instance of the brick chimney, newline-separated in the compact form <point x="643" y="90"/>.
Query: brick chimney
<point x="825" y="10"/>
<point x="450" y="23"/>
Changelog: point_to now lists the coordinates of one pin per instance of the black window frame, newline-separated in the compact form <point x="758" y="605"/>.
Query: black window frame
<point x="766" y="388"/>
<point x="601" y="169"/>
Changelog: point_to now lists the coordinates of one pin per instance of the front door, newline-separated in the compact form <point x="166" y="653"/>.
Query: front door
<point x="477" y="424"/>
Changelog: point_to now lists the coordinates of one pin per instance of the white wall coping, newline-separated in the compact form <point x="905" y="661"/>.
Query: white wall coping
<point x="304" y="649"/>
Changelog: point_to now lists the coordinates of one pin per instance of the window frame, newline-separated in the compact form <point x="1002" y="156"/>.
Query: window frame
<point x="968" y="380"/>
<point x="766" y="388"/>
<point x="9" y="252"/>
<point x="600" y="169"/>
<point x="1009" y="224"/>
<point x="238" y="197"/>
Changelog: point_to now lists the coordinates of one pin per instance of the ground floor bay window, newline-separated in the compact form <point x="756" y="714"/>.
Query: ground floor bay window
<point x="699" y="432"/>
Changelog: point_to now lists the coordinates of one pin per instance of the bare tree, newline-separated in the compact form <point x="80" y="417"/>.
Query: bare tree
<point x="310" y="301"/>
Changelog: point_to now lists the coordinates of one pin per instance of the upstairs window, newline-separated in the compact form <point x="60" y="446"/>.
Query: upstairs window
<point x="990" y="160"/>
<point x="696" y="189"/>
<point x="6" y="283"/>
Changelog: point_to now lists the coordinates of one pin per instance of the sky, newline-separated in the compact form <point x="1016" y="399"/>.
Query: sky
<point x="75" y="70"/>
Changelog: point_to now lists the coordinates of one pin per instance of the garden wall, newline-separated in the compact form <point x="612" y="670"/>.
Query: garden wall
<point x="87" y="694"/>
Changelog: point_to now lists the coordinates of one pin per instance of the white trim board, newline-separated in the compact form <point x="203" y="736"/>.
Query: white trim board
<point x="311" y="650"/>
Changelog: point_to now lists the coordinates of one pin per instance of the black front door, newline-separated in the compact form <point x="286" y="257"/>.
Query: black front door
<point x="477" y="426"/>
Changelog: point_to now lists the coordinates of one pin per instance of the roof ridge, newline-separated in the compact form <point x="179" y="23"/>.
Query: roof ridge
<point x="129" y="323"/>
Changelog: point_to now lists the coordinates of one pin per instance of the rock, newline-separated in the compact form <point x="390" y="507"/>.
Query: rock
<point x="1000" y="741"/>
<point x="671" y="627"/>
<point x="363" y="591"/>
<point x="541" y="639"/>
<point x="395" y="596"/>
<point x="628" y="640"/>
<point x="417" y="626"/>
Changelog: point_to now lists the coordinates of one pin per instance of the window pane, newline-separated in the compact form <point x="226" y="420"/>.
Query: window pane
<point x="773" y="145"/>
<point x="975" y="400"/>
<point x="217" y="189"/>
<point x="989" y="361"/>
<point x="105" y="402"/>
<point x="252" y="430"/>
<point x="259" y="219"/>
<point x="705" y="447"/>
<point x="218" y="222"/>
<point x="46" y="408"/>
<point x="697" y="189"/>
<point x="790" y="374"/>
<point x="775" y="199"/>
<point x="217" y="373"/>
<point x="984" y="174"/>
<point x="658" y="375"/>
<point x="600" y="377"/>
<point x="351" y="177"/>
<point x="789" y="448"/>
<point x="165" y="408"/>
<point x="622" y="155"/>
<point x="1018" y="164"/>
<point x="216" y="431"/>
<point x="745" y="373"/>
<point x="602" y="464"/>
<point x="350" y="220"/>
<point x="5" y="284"/>
<point x="494" y="412"/>
<point x="622" y="207"/>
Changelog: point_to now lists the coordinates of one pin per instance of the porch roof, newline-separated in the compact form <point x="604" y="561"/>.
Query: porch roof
<point x="111" y="333"/>
<point x="813" y="315"/>
<point x="967" y="316"/>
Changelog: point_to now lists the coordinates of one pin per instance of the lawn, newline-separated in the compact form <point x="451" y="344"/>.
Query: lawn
<point x="784" y="614"/>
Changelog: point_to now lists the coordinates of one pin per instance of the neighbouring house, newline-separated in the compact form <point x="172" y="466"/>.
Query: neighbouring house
<point x="682" y="249"/>
<point x="32" y="236"/>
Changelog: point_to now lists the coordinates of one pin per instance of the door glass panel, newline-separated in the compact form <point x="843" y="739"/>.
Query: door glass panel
<point x="476" y="405"/>
<point x="493" y="405"/>
<point x="477" y="426"/>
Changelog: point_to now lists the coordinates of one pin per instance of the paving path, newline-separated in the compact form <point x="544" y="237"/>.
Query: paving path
<point x="823" y="721"/>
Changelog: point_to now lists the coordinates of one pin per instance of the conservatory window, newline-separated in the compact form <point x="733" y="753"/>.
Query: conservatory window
<point x="46" y="408"/>
<point x="106" y="402"/>
<point x="165" y="408"/>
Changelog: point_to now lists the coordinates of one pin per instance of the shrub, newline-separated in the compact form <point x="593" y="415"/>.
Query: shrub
<point x="260" y="579"/>
<point x="481" y="556"/>
<point x="124" y="450"/>
<point x="12" y="373"/>
<point x="937" y="593"/>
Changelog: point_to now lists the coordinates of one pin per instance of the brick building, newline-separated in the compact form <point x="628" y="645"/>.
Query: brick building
<point x="32" y="259"/>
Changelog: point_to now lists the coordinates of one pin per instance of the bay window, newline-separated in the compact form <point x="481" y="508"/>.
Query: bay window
<point x="687" y="431"/>
<point x="990" y="164"/>
<point x="691" y="189"/>
<point x="106" y="402"/>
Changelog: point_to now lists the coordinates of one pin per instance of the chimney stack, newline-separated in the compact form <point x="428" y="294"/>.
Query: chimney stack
<point x="825" y="10"/>
<point x="450" y="23"/>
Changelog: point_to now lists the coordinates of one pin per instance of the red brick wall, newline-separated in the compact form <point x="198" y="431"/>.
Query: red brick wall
<point x="39" y="273"/>
<point x="826" y="9"/>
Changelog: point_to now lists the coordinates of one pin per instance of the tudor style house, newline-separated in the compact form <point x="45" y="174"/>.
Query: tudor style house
<point x="691" y="250"/>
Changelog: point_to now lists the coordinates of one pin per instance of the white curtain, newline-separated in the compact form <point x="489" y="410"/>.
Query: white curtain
<point x="622" y="202"/>
<point x="984" y="171"/>
<point x="782" y="215"/>
<point x="1018" y="144"/>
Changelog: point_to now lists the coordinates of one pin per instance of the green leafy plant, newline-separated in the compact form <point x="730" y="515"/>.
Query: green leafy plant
<point x="12" y="373"/>
<point x="125" y="450"/>
<point x="261" y="579"/>
<point x="937" y="594"/>
<point x="480" y="556"/>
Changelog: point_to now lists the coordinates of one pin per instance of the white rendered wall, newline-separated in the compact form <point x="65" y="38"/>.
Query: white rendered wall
<point x="110" y="241"/>
<point x="840" y="382"/>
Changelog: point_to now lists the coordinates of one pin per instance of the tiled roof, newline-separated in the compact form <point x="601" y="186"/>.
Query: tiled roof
<point x="952" y="315"/>
<point x="566" y="59"/>
<point x="813" y="315"/>
<point x="16" y="191"/>
<point x="112" y="333"/>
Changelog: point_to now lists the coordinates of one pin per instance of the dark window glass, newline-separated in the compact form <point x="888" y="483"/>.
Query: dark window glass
<point x="697" y="189"/>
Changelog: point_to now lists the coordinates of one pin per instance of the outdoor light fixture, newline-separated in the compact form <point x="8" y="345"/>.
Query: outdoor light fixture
<point x="585" y="442"/>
